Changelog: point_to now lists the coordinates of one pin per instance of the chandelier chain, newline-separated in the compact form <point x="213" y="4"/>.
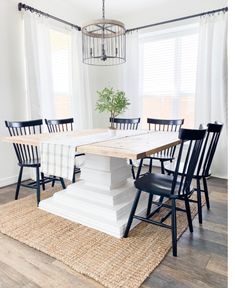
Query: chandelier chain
<point x="103" y="10"/>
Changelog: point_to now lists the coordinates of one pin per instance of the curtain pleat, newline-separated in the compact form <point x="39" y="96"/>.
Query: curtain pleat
<point x="211" y="85"/>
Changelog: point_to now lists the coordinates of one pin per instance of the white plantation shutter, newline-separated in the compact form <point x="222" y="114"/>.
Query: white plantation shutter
<point x="159" y="58"/>
<point x="188" y="63"/>
<point x="168" y="73"/>
<point x="169" y="65"/>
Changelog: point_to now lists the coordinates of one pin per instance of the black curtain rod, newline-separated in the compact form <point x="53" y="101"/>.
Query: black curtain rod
<point x="33" y="10"/>
<point x="225" y="9"/>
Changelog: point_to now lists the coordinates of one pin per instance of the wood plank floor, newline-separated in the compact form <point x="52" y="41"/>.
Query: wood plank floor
<point x="201" y="261"/>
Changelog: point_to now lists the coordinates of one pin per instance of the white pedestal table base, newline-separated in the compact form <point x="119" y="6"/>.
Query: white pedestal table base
<point x="101" y="199"/>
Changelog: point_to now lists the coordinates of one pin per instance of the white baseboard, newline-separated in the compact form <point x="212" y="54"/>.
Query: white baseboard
<point x="13" y="179"/>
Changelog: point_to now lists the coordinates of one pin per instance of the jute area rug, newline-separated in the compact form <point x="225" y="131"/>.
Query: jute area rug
<point x="112" y="262"/>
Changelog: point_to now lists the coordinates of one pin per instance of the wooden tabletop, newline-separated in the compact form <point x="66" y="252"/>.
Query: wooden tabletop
<point x="131" y="147"/>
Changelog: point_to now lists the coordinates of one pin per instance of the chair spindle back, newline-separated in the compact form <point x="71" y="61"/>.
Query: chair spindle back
<point x="165" y="125"/>
<point x="209" y="148"/>
<point x="125" y="123"/>
<point x="25" y="153"/>
<point x="170" y="125"/>
<point x="182" y="179"/>
<point x="59" y="125"/>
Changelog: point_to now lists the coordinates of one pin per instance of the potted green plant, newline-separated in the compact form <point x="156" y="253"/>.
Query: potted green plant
<point x="114" y="102"/>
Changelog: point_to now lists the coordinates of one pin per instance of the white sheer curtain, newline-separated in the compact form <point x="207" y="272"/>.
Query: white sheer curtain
<point x="211" y="86"/>
<point x="38" y="66"/>
<point x="81" y="94"/>
<point x="131" y="76"/>
<point x="41" y="98"/>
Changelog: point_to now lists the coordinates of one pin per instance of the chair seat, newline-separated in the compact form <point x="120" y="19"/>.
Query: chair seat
<point x="30" y="163"/>
<point x="157" y="184"/>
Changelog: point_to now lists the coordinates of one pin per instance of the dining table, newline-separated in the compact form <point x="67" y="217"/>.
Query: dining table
<point x="103" y="195"/>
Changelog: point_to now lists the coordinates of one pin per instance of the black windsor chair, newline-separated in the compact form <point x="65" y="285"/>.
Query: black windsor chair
<point x="28" y="155"/>
<point x="63" y="125"/>
<point x="166" y="125"/>
<point x="204" y="165"/>
<point x="127" y="124"/>
<point x="174" y="187"/>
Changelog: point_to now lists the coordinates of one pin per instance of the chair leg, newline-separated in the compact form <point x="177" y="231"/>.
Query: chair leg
<point x="133" y="209"/>
<point x="62" y="183"/>
<point x="206" y="192"/>
<point x="189" y="216"/>
<point x="38" y="185"/>
<point x="149" y="204"/>
<point x="43" y="184"/>
<point x="53" y="181"/>
<point x="139" y="169"/>
<point x="132" y="169"/>
<point x="199" y="201"/>
<point x="150" y="165"/>
<point x="161" y="199"/>
<point x="174" y="228"/>
<point x="73" y="180"/>
<point x="162" y="167"/>
<point x="19" y="183"/>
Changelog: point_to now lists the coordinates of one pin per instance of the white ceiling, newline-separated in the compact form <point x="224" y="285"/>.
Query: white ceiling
<point x="141" y="12"/>
<point x="115" y="7"/>
<point x="118" y="7"/>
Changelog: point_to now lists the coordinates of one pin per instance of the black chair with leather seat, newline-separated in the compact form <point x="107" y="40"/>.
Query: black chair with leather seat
<point x="167" y="125"/>
<point x="28" y="155"/>
<point x="204" y="165"/>
<point x="63" y="125"/>
<point x="127" y="124"/>
<point x="174" y="187"/>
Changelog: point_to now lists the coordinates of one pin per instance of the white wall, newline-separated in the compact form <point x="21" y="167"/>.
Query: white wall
<point x="11" y="83"/>
<point x="12" y="93"/>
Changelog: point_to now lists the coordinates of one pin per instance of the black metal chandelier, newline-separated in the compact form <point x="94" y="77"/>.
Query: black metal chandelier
<point x="104" y="42"/>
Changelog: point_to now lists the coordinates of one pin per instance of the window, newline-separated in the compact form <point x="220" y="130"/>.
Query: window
<point x="168" y="65"/>
<point x="60" y="55"/>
